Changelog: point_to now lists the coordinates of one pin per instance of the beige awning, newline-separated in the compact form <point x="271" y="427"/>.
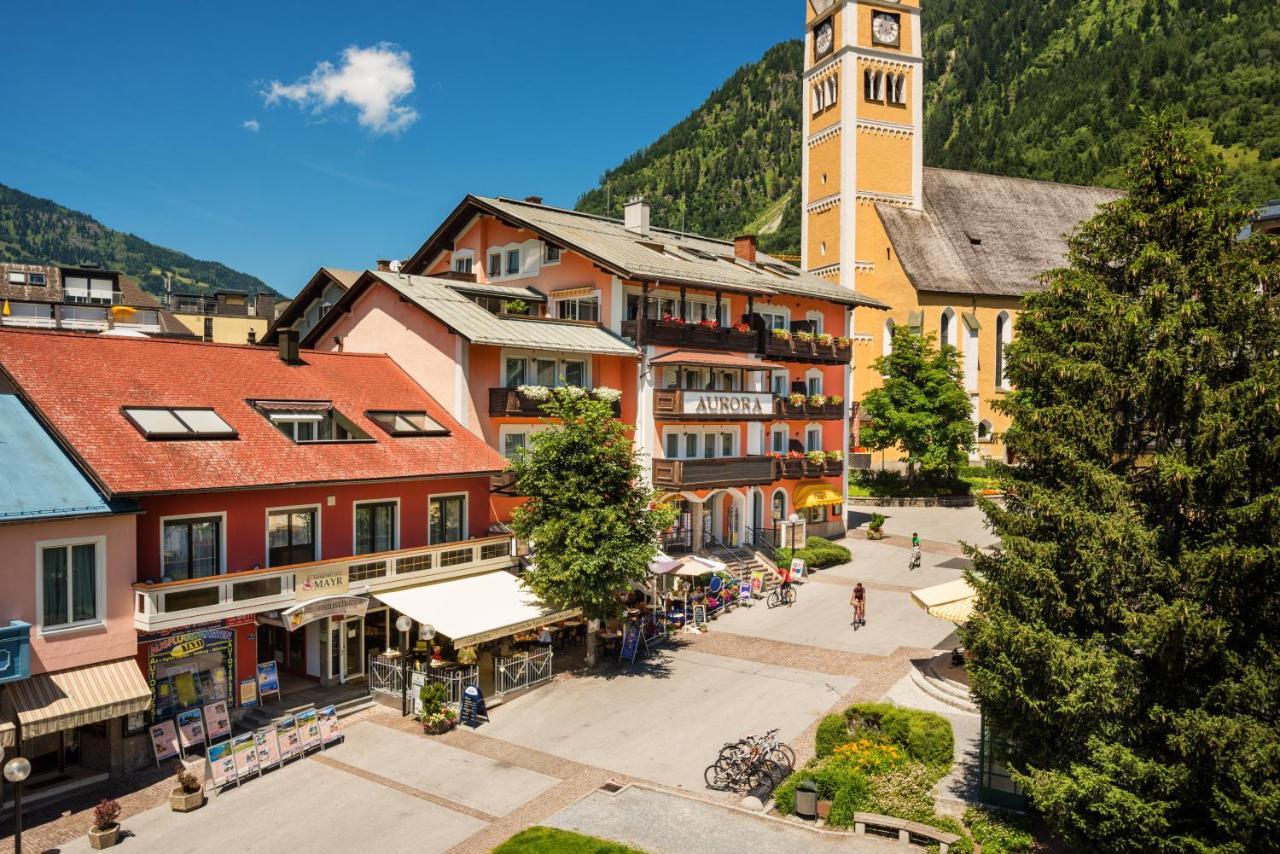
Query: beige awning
<point x="952" y="601"/>
<point x="574" y="293"/>
<point x="51" y="702"/>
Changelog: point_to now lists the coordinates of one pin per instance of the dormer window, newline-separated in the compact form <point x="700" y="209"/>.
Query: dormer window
<point x="406" y="423"/>
<point x="159" y="423"/>
<point x="307" y="421"/>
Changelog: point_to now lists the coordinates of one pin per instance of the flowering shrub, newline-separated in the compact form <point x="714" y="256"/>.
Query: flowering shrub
<point x="782" y="334"/>
<point x="835" y="456"/>
<point x="668" y="317"/>
<point x="843" y="341"/>
<point x="105" y="815"/>
<point x="835" y="400"/>
<point x="607" y="394"/>
<point x="816" y="400"/>
<point x="825" y="339"/>
<point x="709" y="323"/>
<point x="574" y="391"/>
<point x="534" y="392"/>
<point x="774" y="455"/>
<point x="742" y="327"/>
<point x="816" y="457"/>
<point x="795" y="399"/>
<point x="803" y="336"/>
<point x="795" y="455"/>
<point x="869" y="757"/>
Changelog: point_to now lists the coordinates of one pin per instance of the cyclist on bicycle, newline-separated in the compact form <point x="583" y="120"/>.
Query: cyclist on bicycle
<point x="859" y="602"/>
<point x="915" y="551"/>
<point x="785" y="571"/>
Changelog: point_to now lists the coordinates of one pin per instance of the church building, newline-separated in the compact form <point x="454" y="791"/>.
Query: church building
<point x="951" y="252"/>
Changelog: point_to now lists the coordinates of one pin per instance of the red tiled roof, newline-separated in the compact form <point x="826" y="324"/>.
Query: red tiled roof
<point x="709" y="359"/>
<point x="80" y="383"/>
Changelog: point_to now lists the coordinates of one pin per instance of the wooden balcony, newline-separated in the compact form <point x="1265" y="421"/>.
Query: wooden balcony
<point x="809" y="412"/>
<point x="510" y="403"/>
<point x="691" y="335"/>
<point x="797" y="469"/>
<point x="792" y="350"/>
<point x="693" y="405"/>
<point x="170" y="604"/>
<point x="718" y="471"/>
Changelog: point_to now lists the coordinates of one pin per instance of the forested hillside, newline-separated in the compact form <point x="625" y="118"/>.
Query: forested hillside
<point x="1048" y="89"/>
<point x="38" y="231"/>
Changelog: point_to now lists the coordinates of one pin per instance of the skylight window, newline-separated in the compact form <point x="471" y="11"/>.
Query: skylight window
<point x="310" y="421"/>
<point x="178" y="423"/>
<point x="407" y="423"/>
<point x="700" y="253"/>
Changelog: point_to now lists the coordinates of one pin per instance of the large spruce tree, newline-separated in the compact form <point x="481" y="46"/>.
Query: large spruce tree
<point x="1127" y="636"/>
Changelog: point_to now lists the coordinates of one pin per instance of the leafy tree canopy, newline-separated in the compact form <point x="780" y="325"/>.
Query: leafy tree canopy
<point x="921" y="408"/>
<point x="591" y="519"/>
<point x="1127" y="635"/>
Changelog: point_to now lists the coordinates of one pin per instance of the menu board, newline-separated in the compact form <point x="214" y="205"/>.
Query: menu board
<point x="190" y="728"/>
<point x="308" y="729"/>
<point x="164" y="741"/>
<point x="288" y="738"/>
<point x="248" y="693"/>
<point x="699" y="615"/>
<point x="330" y="728"/>
<point x="216" y="720"/>
<point x="246" y="756"/>
<point x="266" y="747"/>
<point x="222" y="764"/>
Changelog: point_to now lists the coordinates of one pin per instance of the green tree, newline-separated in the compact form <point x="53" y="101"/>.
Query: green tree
<point x="922" y="408"/>
<point x="593" y="523"/>
<point x="1127" y="634"/>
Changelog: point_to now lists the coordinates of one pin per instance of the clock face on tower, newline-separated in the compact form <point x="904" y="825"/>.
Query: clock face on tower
<point x="885" y="28"/>
<point x="823" y="39"/>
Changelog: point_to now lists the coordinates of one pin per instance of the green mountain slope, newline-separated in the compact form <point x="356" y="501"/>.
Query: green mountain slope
<point x="1049" y="89"/>
<point x="38" y="231"/>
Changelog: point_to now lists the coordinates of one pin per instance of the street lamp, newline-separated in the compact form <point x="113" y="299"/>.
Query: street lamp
<point x="404" y="623"/>
<point x="794" y="519"/>
<point x="17" y="770"/>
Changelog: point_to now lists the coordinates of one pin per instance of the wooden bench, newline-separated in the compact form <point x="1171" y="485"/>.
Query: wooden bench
<point x="906" y="829"/>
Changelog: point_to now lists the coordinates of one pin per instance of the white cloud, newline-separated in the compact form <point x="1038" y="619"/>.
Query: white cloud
<point x="374" y="80"/>
<point x="251" y="125"/>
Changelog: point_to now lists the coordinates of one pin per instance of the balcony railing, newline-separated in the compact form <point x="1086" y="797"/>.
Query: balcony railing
<point x="696" y="405"/>
<point x="717" y="471"/>
<point x="811" y="411"/>
<point x="172" y="604"/>
<point x="692" y="335"/>
<point x="794" y="350"/>
<point x="802" y="468"/>
<point x="510" y="403"/>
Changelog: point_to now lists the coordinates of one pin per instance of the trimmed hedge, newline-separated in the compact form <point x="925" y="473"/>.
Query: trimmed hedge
<point x="817" y="554"/>
<point x="924" y="735"/>
<point x="833" y="731"/>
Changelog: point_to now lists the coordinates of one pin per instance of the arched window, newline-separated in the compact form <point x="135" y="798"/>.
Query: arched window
<point x="944" y="327"/>
<point x="887" y="345"/>
<point x="779" y="505"/>
<point x="1004" y="334"/>
<point x="984" y="431"/>
<point x="815" y="320"/>
<point x="868" y="84"/>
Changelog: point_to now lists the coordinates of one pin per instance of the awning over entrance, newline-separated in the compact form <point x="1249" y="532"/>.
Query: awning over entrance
<point x="474" y="609"/>
<point x="816" y="495"/>
<point x="50" y="702"/>
<point x="951" y="601"/>
<point x="708" y="360"/>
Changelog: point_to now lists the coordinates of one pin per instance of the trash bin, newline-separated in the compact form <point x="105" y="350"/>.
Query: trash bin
<point x="807" y="799"/>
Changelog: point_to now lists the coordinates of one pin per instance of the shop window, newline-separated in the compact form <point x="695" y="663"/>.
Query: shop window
<point x="183" y="681"/>
<point x="291" y="537"/>
<point x="69" y="581"/>
<point x="191" y="548"/>
<point x="816" y="514"/>
<point x="448" y="516"/>
<point x="375" y="527"/>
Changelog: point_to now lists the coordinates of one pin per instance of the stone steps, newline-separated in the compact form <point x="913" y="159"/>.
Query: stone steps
<point x="942" y="689"/>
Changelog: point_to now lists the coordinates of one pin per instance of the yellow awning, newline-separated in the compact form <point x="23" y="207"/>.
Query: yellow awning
<point x="51" y="702"/>
<point x="816" y="495"/>
<point x="952" y="601"/>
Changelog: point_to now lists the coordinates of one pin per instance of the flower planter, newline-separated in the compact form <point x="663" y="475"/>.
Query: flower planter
<point x="792" y="468"/>
<point x="833" y="410"/>
<point x="704" y="335"/>
<point x="833" y="467"/>
<point x="180" y="801"/>
<point x="105" y="838"/>
<point x="812" y="469"/>
<point x="740" y="340"/>
<point x="796" y="409"/>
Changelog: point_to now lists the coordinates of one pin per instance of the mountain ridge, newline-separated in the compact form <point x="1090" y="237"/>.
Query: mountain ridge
<point x="36" y="230"/>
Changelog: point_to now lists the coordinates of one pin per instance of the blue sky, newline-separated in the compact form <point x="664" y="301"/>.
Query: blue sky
<point x="136" y="112"/>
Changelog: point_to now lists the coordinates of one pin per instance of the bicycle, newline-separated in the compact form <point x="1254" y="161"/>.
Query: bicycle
<point x="859" y="614"/>
<point x="914" y="563"/>
<point x="768" y="744"/>
<point x="778" y="597"/>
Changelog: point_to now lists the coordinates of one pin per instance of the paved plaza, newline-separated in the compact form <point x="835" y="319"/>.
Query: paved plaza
<point x="650" y="727"/>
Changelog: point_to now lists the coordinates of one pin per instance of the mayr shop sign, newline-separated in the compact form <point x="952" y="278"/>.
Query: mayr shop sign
<point x="727" y="403"/>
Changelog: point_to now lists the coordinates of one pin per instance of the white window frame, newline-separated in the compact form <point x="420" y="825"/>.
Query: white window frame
<point x="811" y="375"/>
<point x="547" y="260"/>
<point x="816" y="318"/>
<point x="527" y="430"/>
<point x="530" y="260"/>
<point x="463" y="256"/>
<point x="785" y="502"/>
<point x="691" y="300"/>
<point x="266" y="529"/>
<point x="395" y="522"/>
<point x="518" y="252"/>
<point x="466" y="514"/>
<point x="774" y="432"/>
<point x="783" y="375"/>
<point x="765" y="312"/>
<point x="948" y="318"/>
<point x="557" y="303"/>
<point x="704" y="434"/>
<point x="488" y="264"/>
<point x="222" y="536"/>
<point x="100" y="590"/>
<point x="1004" y="337"/>
<point x="886" y="346"/>
<point x="16" y="277"/>
<point x="810" y="429"/>
<point x="560" y="357"/>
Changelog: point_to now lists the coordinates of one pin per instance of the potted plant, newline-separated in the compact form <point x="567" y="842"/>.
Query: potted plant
<point x="536" y="393"/>
<point x="803" y="335"/>
<point x="188" y="795"/>
<point x="817" y="401"/>
<point x="875" y="528"/>
<point x="106" y="829"/>
<point x="795" y="403"/>
<point x="834" y="405"/>
<point x="793" y="464"/>
<point x="709" y="323"/>
<point x="825" y="339"/>
<point x="744" y="328"/>
<point x="835" y="462"/>
<point x="675" y="319"/>
<point x="515" y="306"/>
<point x="437" y="718"/>
<point x="843" y="342"/>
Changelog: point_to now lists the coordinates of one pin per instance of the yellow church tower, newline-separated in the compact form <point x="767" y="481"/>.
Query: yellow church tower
<point x="863" y="114"/>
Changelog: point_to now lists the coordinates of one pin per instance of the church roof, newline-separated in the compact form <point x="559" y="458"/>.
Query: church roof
<point x="985" y="234"/>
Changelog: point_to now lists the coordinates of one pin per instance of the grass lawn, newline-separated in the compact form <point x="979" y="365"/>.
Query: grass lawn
<point x="546" y="840"/>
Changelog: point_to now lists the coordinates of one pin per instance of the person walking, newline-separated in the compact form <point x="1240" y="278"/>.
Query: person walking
<point x="859" y="602"/>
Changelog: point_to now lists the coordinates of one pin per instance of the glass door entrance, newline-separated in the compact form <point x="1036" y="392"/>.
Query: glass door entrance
<point x="346" y="647"/>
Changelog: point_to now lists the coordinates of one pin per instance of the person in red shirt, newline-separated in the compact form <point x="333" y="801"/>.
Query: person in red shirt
<point x="785" y="572"/>
<point x="859" y="602"/>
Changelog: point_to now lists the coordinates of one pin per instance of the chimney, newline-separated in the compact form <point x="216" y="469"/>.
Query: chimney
<point x="744" y="247"/>
<point x="533" y="200"/>
<point x="635" y="216"/>
<point x="289" y="346"/>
